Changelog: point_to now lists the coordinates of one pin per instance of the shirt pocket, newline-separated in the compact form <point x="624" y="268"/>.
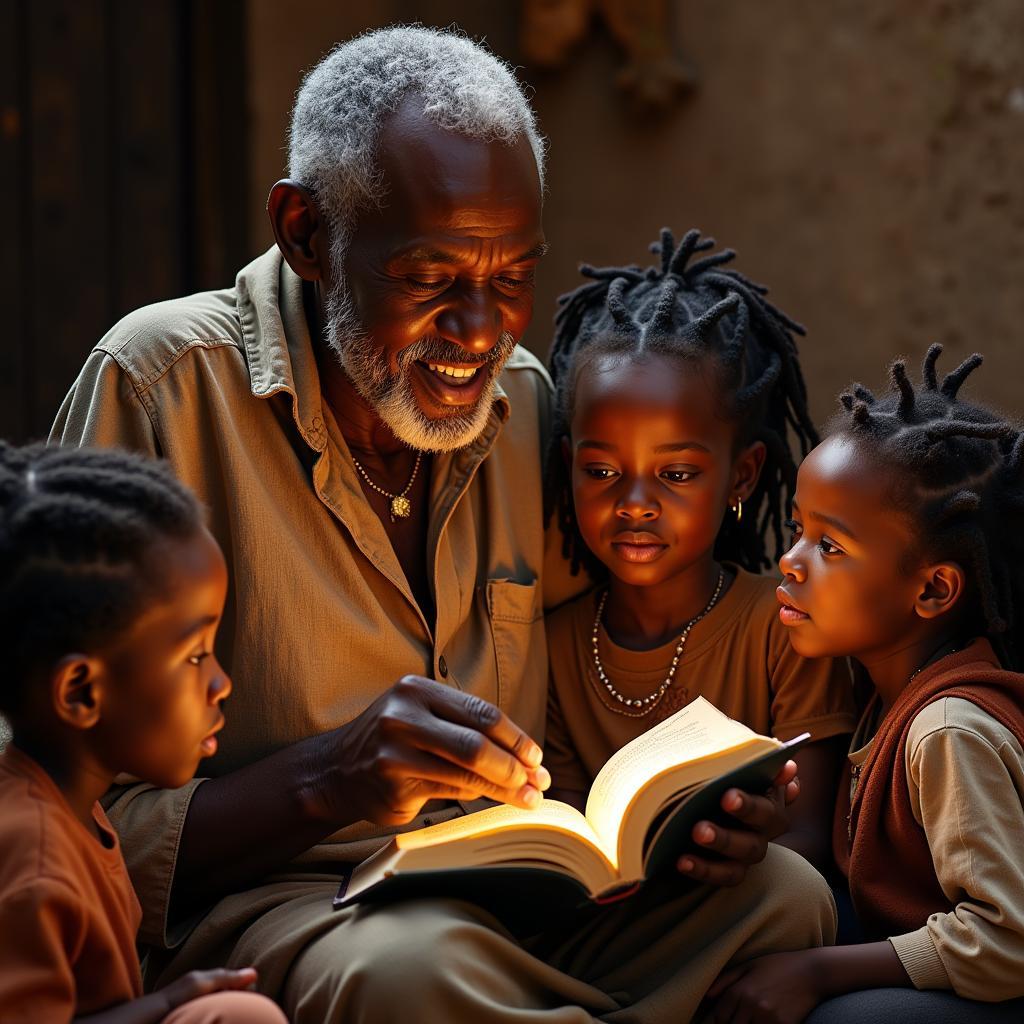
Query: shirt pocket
<point x="517" y="631"/>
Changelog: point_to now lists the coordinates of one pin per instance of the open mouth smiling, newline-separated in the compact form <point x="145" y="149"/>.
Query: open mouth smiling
<point x="452" y="384"/>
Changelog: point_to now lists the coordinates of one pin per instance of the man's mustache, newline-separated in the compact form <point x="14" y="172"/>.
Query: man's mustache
<point x="437" y="350"/>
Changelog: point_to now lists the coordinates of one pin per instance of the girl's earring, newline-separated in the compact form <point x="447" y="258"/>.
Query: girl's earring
<point x="738" y="509"/>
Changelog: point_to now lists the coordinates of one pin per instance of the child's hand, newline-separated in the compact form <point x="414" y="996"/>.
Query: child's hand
<point x="777" y="989"/>
<point x="203" y="983"/>
<point x="763" y="818"/>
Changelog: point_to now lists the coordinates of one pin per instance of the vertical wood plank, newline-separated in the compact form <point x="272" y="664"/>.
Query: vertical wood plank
<point x="14" y="328"/>
<point x="69" y="290"/>
<point x="148" y="156"/>
<point x="220" y="138"/>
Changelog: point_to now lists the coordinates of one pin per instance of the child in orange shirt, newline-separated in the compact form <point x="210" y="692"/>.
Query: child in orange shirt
<point x="111" y="590"/>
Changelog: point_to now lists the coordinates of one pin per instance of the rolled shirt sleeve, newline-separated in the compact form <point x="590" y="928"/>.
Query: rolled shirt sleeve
<point x="966" y="777"/>
<point x="149" y="822"/>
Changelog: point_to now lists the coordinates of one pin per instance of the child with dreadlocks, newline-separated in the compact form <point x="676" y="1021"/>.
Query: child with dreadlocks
<point x="111" y="590"/>
<point x="676" y="389"/>
<point x="908" y="556"/>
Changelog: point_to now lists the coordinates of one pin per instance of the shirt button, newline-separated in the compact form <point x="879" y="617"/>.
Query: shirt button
<point x="442" y="667"/>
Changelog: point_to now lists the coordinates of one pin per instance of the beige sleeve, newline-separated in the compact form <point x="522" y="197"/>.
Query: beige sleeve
<point x="104" y="409"/>
<point x="149" y="823"/>
<point x="966" y="778"/>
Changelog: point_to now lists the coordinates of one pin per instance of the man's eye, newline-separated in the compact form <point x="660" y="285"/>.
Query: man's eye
<point x="195" y="659"/>
<point x="420" y="285"/>
<point x="514" y="283"/>
<point x="678" y="476"/>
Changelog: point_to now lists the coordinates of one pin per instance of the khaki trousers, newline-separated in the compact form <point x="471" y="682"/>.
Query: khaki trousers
<point x="647" y="960"/>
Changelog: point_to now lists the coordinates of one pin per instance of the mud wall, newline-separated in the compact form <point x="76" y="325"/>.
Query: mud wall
<point x="865" y="158"/>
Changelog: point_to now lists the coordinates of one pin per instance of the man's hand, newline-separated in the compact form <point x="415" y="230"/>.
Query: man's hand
<point x="778" y="989"/>
<point x="761" y="819"/>
<point x="424" y="741"/>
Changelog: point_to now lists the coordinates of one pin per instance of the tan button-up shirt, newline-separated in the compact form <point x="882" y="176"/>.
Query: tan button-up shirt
<point x="320" y="619"/>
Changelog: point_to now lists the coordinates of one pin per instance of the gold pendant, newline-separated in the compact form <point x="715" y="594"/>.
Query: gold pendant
<point x="400" y="507"/>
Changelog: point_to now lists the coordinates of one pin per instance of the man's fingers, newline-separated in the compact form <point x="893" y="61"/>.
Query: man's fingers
<point x="473" y="752"/>
<point x="475" y="713"/>
<point x="437" y="778"/>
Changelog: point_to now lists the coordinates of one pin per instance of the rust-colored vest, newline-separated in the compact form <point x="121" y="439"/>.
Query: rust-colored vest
<point x="888" y="863"/>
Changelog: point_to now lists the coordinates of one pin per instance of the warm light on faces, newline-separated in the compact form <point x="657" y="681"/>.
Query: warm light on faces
<point x="438" y="283"/>
<point x="161" y="684"/>
<point x="848" y="590"/>
<point x="653" y="465"/>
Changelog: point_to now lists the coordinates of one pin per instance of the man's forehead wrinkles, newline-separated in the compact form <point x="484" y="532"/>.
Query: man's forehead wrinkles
<point x="473" y="247"/>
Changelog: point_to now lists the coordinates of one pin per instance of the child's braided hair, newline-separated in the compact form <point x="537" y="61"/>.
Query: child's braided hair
<point x="693" y="311"/>
<point x="76" y="529"/>
<point x="960" y="479"/>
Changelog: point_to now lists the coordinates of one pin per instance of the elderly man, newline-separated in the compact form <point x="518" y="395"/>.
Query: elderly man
<point x="368" y="438"/>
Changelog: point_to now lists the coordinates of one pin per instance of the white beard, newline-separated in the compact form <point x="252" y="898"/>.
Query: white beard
<point x="390" y="395"/>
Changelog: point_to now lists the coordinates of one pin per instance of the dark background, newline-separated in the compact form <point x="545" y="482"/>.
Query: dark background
<point x="865" y="157"/>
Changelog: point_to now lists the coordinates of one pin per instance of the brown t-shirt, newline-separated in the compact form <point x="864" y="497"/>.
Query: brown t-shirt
<point x="738" y="657"/>
<point x="68" y="913"/>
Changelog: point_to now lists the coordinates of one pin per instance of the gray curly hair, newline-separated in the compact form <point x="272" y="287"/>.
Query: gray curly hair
<point x="343" y="100"/>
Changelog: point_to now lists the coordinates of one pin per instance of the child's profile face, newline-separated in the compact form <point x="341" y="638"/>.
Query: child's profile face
<point x="163" y="685"/>
<point x="847" y="590"/>
<point x="652" y="464"/>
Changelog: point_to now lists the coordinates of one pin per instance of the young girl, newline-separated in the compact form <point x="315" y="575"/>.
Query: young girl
<point x="908" y="555"/>
<point x="111" y="590"/>
<point x="676" y="390"/>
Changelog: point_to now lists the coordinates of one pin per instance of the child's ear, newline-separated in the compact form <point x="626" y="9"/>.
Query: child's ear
<point x="746" y="470"/>
<point x="76" y="690"/>
<point x="942" y="588"/>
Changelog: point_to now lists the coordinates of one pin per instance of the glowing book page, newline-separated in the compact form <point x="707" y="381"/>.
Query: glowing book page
<point x="698" y="731"/>
<point x="552" y="814"/>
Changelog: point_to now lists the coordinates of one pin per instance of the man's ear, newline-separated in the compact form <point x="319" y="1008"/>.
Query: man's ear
<point x="76" y="690"/>
<point x="942" y="587"/>
<point x="300" y="231"/>
<point x="746" y="470"/>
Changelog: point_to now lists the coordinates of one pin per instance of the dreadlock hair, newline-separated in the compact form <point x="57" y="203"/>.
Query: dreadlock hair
<point x="691" y="310"/>
<point x="77" y="528"/>
<point x="960" y="479"/>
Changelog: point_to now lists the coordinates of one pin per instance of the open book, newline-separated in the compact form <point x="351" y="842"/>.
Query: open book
<point x="639" y="818"/>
